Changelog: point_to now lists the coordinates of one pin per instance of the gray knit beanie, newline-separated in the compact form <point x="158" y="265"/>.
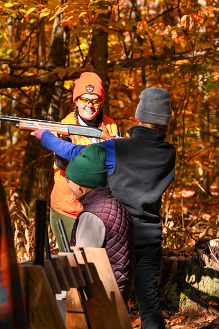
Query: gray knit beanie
<point x="154" y="106"/>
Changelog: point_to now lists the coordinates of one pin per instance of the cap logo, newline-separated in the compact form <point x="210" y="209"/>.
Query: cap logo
<point x="89" y="88"/>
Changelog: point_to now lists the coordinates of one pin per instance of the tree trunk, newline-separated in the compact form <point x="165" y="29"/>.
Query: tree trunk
<point x="37" y="175"/>
<point x="99" y="54"/>
<point x="204" y="137"/>
<point x="189" y="283"/>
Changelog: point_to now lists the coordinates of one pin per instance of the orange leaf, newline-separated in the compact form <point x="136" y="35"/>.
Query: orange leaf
<point x="204" y="233"/>
<point x="189" y="243"/>
<point x="29" y="11"/>
<point x="212" y="303"/>
<point x="179" y="319"/>
<point x="136" y="323"/>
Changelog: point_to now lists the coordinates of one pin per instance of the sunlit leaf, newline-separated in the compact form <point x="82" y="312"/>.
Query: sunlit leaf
<point x="29" y="11"/>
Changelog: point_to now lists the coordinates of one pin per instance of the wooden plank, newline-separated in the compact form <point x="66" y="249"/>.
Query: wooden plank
<point x="112" y="309"/>
<point x="73" y="301"/>
<point x="106" y="310"/>
<point x="81" y="258"/>
<point x="75" y="268"/>
<point x="75" y="318"/>
<point x="68" y="271"/>
<point x="42" y="311"/>
<point x="52" y="278"/>
<point x="61" y="276"/>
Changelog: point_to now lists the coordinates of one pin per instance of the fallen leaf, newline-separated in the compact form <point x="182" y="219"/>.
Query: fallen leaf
<point x="173" y="258"/>
<point x="200" y="320"/>
<point x="179" y="319"/>
<point x="189" y="243"/>
<point x="136" y="323"/>
<point x="187" y="193"/>
<point x="165" y="314"/>
<point x="216" y="323"/>
<point x="204" y="233"/>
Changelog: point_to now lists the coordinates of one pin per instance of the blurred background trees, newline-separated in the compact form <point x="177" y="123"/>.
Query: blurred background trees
<point x="173" y="44"/>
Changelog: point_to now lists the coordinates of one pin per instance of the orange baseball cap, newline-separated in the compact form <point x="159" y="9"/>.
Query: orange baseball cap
<point x="88" y="83"/>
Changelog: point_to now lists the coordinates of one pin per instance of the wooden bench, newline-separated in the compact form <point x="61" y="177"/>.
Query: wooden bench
<point x="105" y="308"/>
<point x="93" y="298"/>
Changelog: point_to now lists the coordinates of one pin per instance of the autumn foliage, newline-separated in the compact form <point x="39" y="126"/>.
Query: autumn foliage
<point x="133" y="44"/>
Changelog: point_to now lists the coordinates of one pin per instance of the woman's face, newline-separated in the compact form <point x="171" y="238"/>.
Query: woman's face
<point x="88" y="111"/>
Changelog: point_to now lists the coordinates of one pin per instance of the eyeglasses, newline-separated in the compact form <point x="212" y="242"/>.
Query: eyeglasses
<point x="86" y="101"/>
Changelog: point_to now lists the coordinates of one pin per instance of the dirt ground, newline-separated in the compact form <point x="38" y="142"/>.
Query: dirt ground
<point x="208" y="319"/>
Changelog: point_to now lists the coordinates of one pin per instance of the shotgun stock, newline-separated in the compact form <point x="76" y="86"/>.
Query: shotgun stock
<point x="59" y="128"/>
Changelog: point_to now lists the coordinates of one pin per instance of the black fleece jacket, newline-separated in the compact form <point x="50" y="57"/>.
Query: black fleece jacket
<point x="144" y="168"/>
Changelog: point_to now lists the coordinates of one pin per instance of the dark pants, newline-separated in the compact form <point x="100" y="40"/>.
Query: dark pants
<point x="148" y="260"/>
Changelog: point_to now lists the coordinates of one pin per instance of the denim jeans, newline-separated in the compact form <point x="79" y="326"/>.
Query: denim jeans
<point x="148" y="260"/>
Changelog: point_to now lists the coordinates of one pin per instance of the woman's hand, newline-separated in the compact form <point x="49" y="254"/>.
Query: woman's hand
<point x="115" y="136"/>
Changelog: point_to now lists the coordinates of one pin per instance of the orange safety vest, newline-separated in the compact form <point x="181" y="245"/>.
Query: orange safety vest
<point x="62" y="198"/>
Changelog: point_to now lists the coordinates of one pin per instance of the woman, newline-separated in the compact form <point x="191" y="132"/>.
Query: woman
<point x="88" y="95"/>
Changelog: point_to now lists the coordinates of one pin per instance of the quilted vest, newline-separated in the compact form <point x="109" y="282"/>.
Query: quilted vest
<point x="119" y="240"/>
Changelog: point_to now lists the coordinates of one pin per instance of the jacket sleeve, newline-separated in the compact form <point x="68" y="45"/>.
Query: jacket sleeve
<point x="90" y="231"/>
<point x="109" y="146"/>
<point x="62" y="163"/>
<point x="69" y="150"/>
<point x="60" y="147"/>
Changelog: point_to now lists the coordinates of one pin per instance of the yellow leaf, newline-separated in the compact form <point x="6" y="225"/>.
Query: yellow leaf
<point x="8" y="5"/>
<point x="83" y="13"/>
<point x="29" y="11"/>
<point x="2" y="20"/>
<point x="53" y="3"/>
<point x="185" y="210"/>
<point x="44" y="14"/>
<point x="203" y="45"/>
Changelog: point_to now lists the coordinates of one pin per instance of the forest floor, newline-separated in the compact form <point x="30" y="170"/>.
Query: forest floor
<point x="208" y="319"/>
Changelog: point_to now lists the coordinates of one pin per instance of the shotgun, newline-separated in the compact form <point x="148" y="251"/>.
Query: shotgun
<point x="59" y="128"/>
<point x="63" y="236"/>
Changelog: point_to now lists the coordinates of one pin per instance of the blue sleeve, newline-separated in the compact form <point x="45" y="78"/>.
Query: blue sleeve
<point x="110" y="154"/>
<point x="62" y="148"/>
<point x="69" y="150"/>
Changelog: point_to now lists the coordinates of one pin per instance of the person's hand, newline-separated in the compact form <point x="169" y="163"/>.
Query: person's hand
<point x="115" y="136"/>
<point x="38" y="132"/>
<point x="63" y="137"/>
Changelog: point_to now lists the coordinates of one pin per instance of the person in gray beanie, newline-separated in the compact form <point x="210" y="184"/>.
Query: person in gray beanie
<point x="154" y="106"/>
<point x="140" y="169"/>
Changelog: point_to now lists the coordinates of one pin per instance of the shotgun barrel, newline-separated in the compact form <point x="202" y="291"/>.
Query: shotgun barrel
<point x="58" y="127"/>
<point x="63" y="236"/>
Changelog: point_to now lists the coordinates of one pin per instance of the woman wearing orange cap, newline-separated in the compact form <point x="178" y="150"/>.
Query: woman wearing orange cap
<point x="88" y="95"/>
